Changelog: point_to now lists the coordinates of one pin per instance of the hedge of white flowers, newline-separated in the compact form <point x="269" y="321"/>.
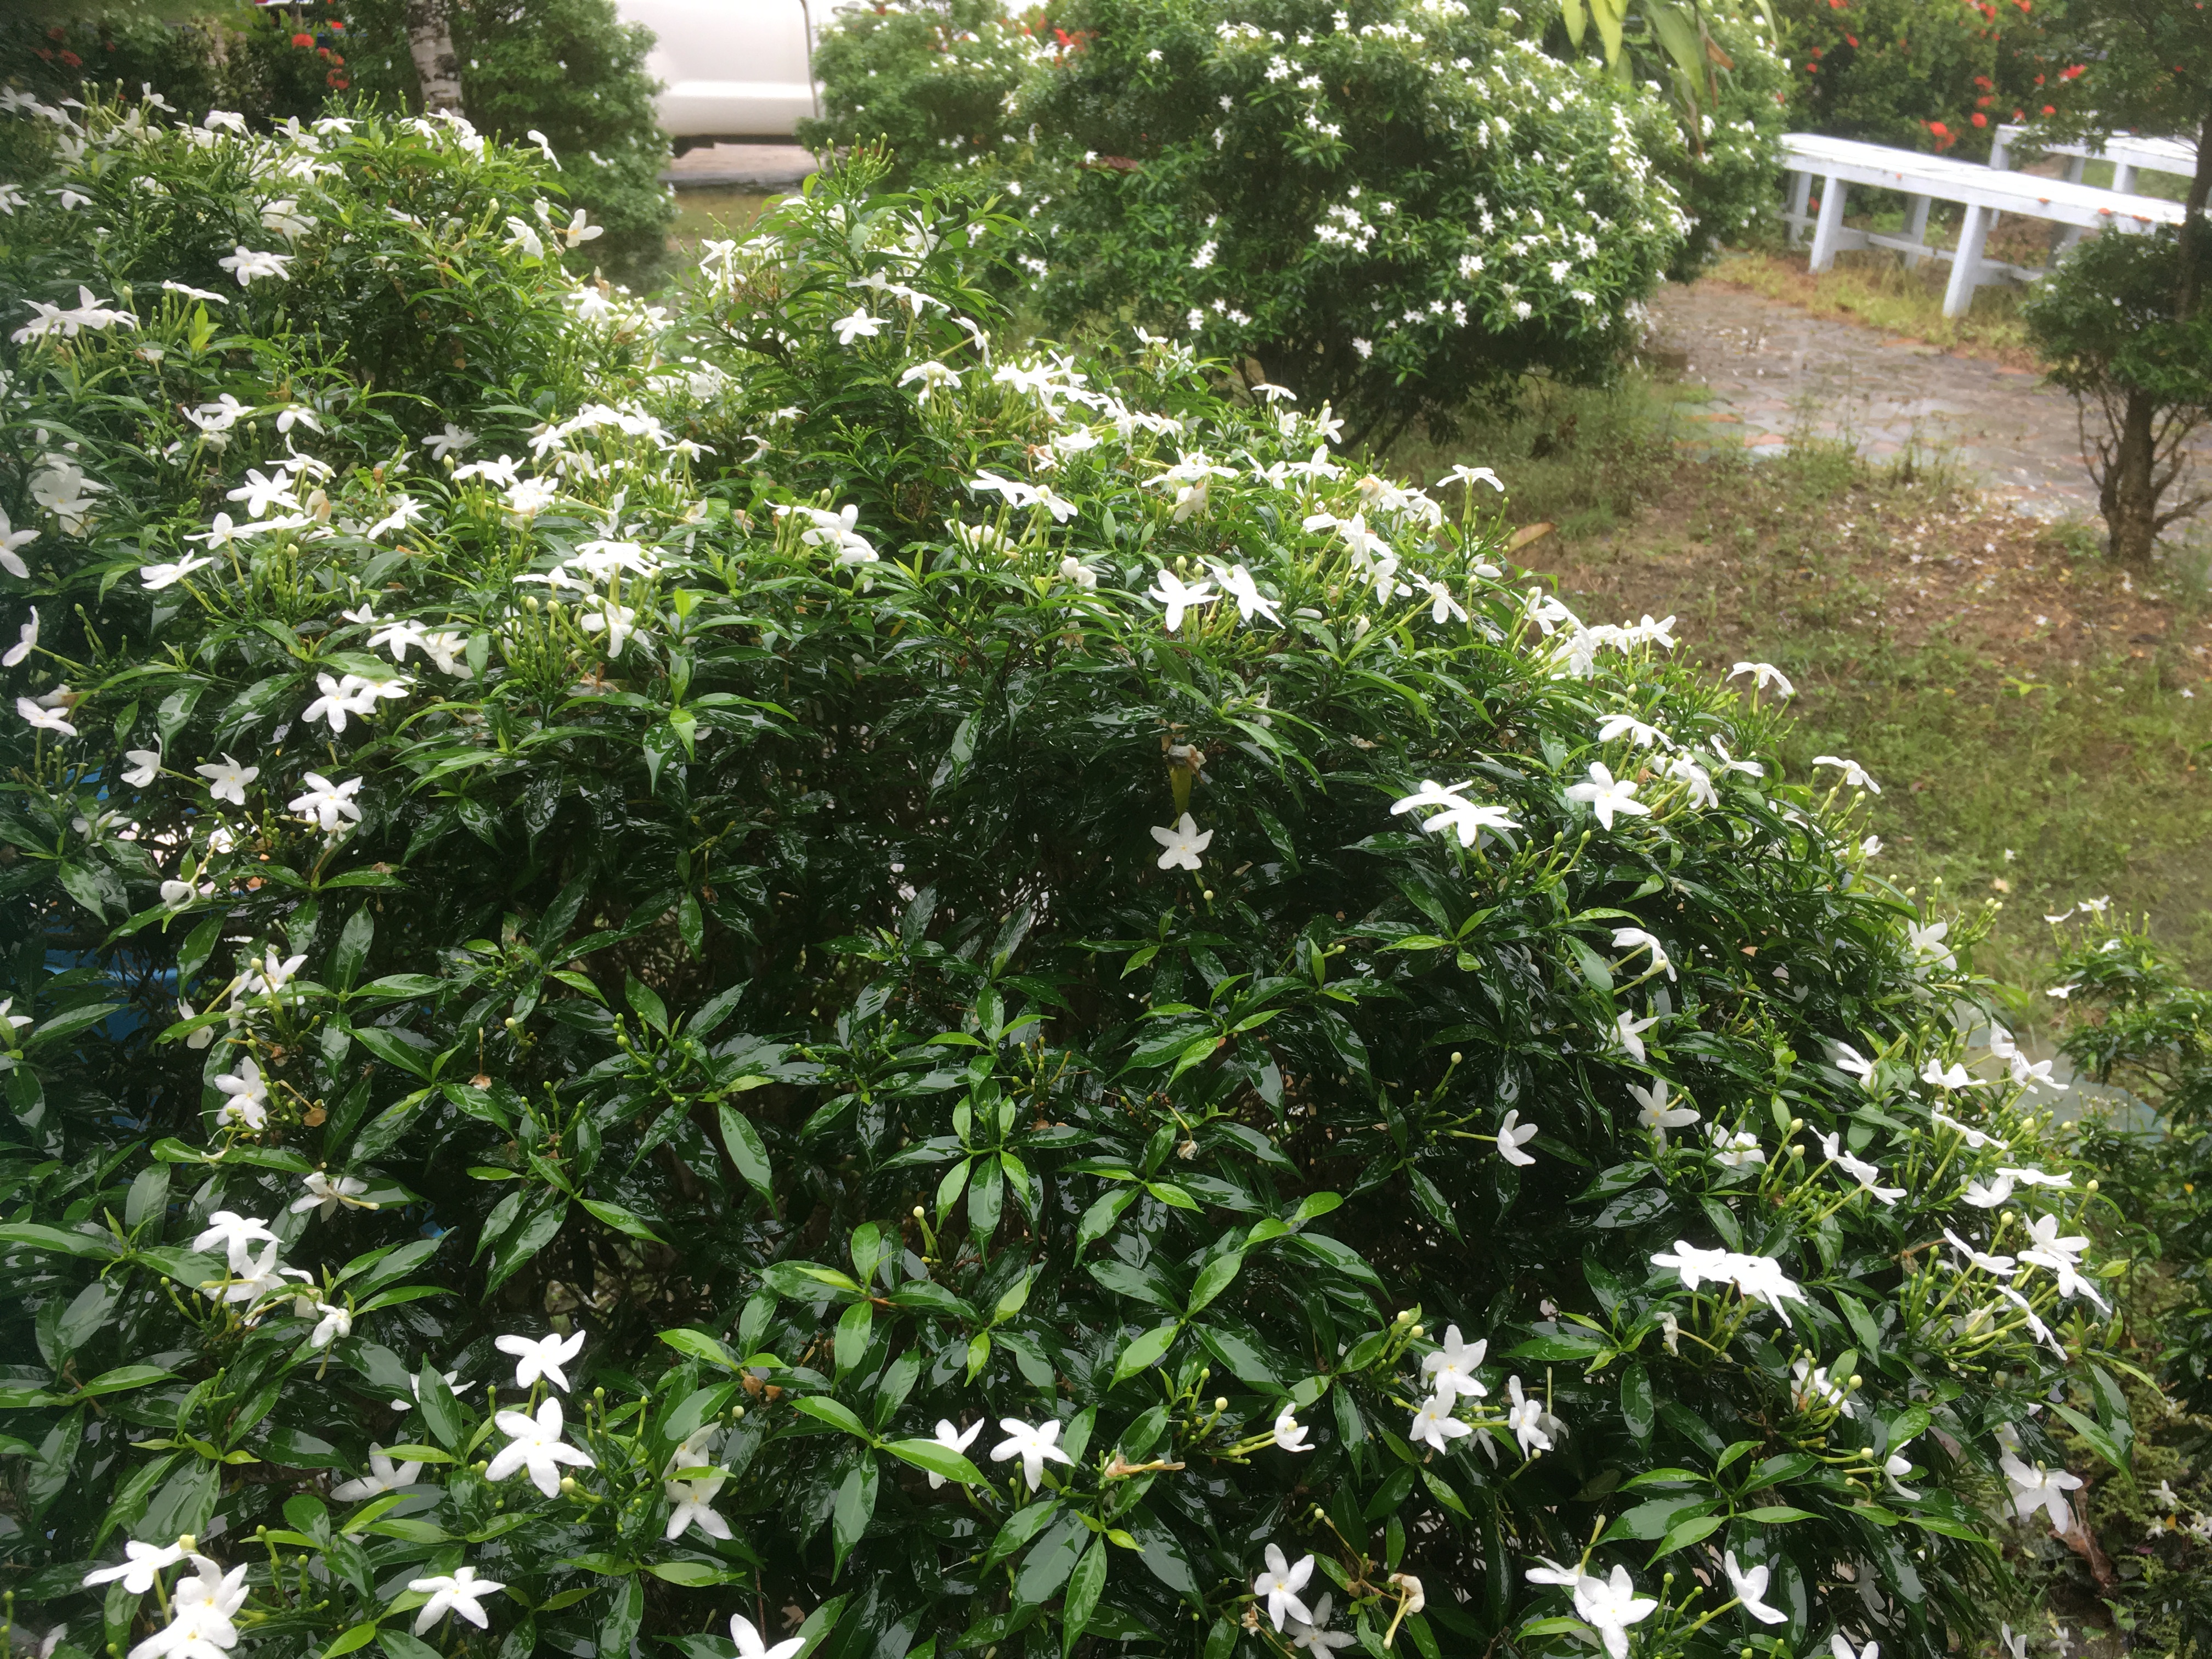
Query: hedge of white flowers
<point x="778" y="980"/>
<point x="1397" y="206"/>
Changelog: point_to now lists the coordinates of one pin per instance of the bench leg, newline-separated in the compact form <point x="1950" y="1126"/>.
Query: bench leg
<point x="2076" y="169"/>
<point x="1966" y="264"/>
<point x="1830" y="222"/>
<point x="2123" y="178"/>
<point x="1801" y="195"/>
<point x="1915" y="226"/>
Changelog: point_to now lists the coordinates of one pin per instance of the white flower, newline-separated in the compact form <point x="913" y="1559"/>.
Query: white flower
<point x="327" y="1192"/>
<point x="1182" y="844"/>
<point x="1317" y="1636"/>
<point x="451" y="442"/>
<point x="1469" y="819"/>
<point x="460" y="1592"/>
<point x="690" y="1501"/>
<point x="1841" y="1648"/>
<point x="44" y="719"/>
<point x="12" y="1024"/>
<point x="384" y="1476"/>
<point x="1525" y="1418"/>
<point x="1854" y="774"/>
<point x="227" y="781"/>
<point x="749" y="1645"/>
<point x="1848" y="1059"/>
<point x="200" y="1614"/>
<point x="1998" y="1267"/>
<point x="1172" y="593"/>
<point x="1813" y="1386"/>
<point x="246" y="264"/>
<point x="234" y="1232"/>
<point x="415" y="1390"/>
<point x="249" y="1098"/>
<point x="1470" y="475"/>
<point x="933" y="375"/>
<point x="327" y="803"/>
<point x="1435" y="1426"/>
<point x="535" y="1443"/>
<point x="1638" y="734"/>
<point x="404" y="508"/>
<point x="159" y="576"/>
<point x="1236" y="582"/>
<point x="1751" y="1590"/>
<point x="1957" y="1077"/>
<point x="1867" y="1175"/>
<point x="578" y="231"/>
<point x="1765" y="674"/>
<point x="141" y="1562"/>
<point x="1072" y="569"/>
<point x="1511" y="1133"/>
<point x="1289" y="1433"/>
<point x="1280" y="1584"/>
<point x="145" y="766"/>
<point x="260" y="494"/>
<point x="858" y="326"/>
<point x="1734" y="1148"/>
<point x="1635" y="938"/>
<point x="1656" y="1116"/>
<point x="954" y="1438"/>
<point x="10" y="539"/>
<point x="251" y="1278"/>
<point x="1896" y="1467"/>
<point x="1988" y="1194"/>
<point x="2040" y="1488"/>
<point x="1606" y="795"/>
<point x="1610" y="1606"/>
<point x="543" y="1356"/>
<point x="1758" y="1276"/>
<point x="1450" y="1369"/>
<point x="1032" y="1445"/>
<point x="26" y="640"/>
<point x="334" y="1323"/>
<point x="1628" y="1033"/>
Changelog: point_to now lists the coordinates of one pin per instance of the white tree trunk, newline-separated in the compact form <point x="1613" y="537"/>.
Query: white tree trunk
<point x="430" y="41"/>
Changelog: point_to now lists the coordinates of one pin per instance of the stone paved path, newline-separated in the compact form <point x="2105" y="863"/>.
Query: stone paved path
<point x="743" y="166"/>
<point x="1773" y="372"/>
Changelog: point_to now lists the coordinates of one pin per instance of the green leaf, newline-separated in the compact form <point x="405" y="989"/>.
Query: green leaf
<point x="1686" y="1534"/>
<point x="1636" y="1409"/>
<point x="359" y="1637"/>
<point x="535" y="1231"/>
<point x="622" y="1220"/>
<point x="2099" y="1441"/>
<point x="937" y="1458"/>
<point x="855" y="1505"/>
<point x="122" y="1378"/>
<point x="700" y="1345"/>
<point x="835" y="1412"/>
<point x="36" y="1236"/>
<point x="1772" y="1514"/>
<point x="1213" y="1279"/>
<point x="1145" y="1351"/>
<point x="693" y="1574"/>
<point x="1084" y="1586"/>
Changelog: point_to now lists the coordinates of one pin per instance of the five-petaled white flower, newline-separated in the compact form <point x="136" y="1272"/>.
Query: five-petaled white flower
<point x="1170" y="591"/>
<point x="541" y="1356"/>
<point x="1607" y="795"/>
<point x="1469" y="818"/>
<point x="1525" y="1417"/>
<point x="1182" y="844"/>
<point x="1316" y="1638"/>
<point x="1236" y="582"/>
<point x="1750" y="1587"/>
<point x="327" y="803"/>
<point x="1610" y="1606"/>
<point x="1289" y="1433"/>
<point x="451" y="442"/>
<point x="1435" y="1426"/>
<point x="458" y="1592"/>
<point x="248" y="1102"/>
<point x="10" y="539"/>
<point x="246" y="264"/>
<point x="751" y="1646"/>
<point x="141" y="1562"/>
<point x="578" y="230"/>
<point x="860" y="325"/>
<point x="384" y="1476"/>
<point x="690" y="1505"/>
<point x="145" y="766"/>
<point x="334" y="1323"/>
<point x="954" y="1438"/>
<point x="327" y="1192"/>
<point x="227" y="781"/>
<point x="1855" y="776"/>
<point x="234" y="1232"/>
<point x="44" y="719"/>
<point x="1764" y="674"/>
<point x="1280" y="1584"/>
<point x="535" y="1443"/>
<point x="1032" y="1445"/>
<point x="1511" y="1133"/>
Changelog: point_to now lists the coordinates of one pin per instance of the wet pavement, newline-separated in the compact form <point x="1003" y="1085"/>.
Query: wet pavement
<point x="740" y="166"/>
<point x="1775" y="373"/>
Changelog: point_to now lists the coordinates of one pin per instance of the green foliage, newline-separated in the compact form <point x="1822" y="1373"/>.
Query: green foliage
<point x="244" y="59"/>
<point x="1932" y="77"/>
<point x="2104" y="324"/>
<point x="569" y="69"/>
<point x="700" y="889"/>
<point x="935" y="84"/>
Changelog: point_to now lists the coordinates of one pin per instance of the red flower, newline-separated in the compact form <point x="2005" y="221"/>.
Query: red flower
<point x="2020" y="115"/>
<point x="1939" y="129"/>
<point x="1853" y="39"/>
<point x="1980" y="119"/>
<point x="1983" y="81"/>
<point x="336" y="80"/>
<point x="2051" y="109"/>
<point x="72" y="60"/>
<point x="336" y="26"/>
<point x="2074" y="73"/>
<point x="43" y="54"/>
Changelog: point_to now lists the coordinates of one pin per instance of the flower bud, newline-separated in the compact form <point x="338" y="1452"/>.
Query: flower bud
<point x="1221" y="1402"/>
<point x="1209" y="895"/>
<point x="567" y="1485"/>
<point x="1856" y="1380"/>
<point x="1455" y="1058"/>
<point x="2091" y="1187"/>
<point x="917" y="1213"/>
<point x="1416" y="1331"/>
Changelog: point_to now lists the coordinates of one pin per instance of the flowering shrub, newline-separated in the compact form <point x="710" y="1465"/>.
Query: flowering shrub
<point x="783" y="973"/>
<point x="571" y="72"/>
<point x="248" y="60"/>
<point x="1388" y="214"/>
<point x="1938" y="77"/>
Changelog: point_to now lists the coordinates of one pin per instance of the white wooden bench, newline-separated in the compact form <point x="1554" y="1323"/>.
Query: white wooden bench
<point x="2129" y="153"/>
<point x="1984" y="192"/>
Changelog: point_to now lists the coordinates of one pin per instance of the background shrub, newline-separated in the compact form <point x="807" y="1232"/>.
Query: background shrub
<point x="758" y="966"/>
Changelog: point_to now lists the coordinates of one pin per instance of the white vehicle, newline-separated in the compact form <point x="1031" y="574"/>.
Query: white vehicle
<point x="732" y="70"/>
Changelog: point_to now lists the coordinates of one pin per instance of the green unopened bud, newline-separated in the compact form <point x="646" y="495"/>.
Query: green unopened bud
<point x="1795" y="1124"/>
<point x="1416" y="1331"/>
<point x="1454" y="1059"/>
<point x="917" y="1213"/>
<point x="1857" y="1381"/>
<point x="569" y="1484"/>
<point x="1209" y="895"/>
<point x="2091" y="1187"/>
<point x="1221" y="1402"/>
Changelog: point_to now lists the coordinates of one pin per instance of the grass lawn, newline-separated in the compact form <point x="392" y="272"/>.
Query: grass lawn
<point x="2037" y="720"/>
